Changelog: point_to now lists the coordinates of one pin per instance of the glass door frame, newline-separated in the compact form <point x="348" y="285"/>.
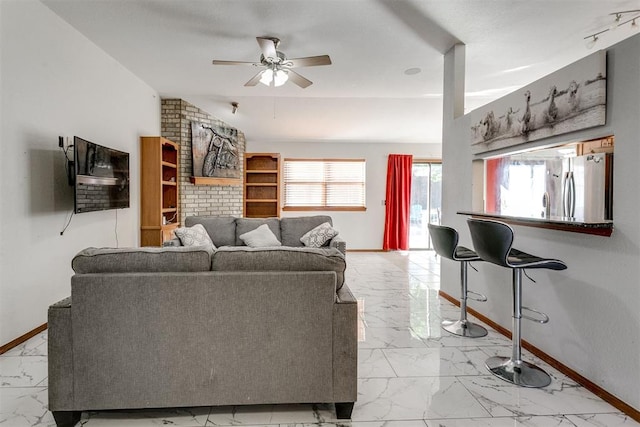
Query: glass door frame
<point x="430" y="162"/>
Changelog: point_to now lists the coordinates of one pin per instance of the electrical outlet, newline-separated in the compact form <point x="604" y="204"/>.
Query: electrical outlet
<point x="61" y="142"/>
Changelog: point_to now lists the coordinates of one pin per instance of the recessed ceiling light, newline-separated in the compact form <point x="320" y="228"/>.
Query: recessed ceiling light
<point x="412" y="71"/>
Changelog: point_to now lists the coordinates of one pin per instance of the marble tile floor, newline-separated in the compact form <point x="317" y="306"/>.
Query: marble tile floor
<point x="411" y="372"/>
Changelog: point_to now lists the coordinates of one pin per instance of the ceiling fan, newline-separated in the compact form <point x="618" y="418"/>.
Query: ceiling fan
<point x="277" y="67"/>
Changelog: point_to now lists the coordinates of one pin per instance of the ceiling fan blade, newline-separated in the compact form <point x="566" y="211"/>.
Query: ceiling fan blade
<point x="255" y="79"/>
<point x="268" y="47"/>
<point x="310" y="61"/>
<point x="219" y="62"/>
<point x="298" y="79"/>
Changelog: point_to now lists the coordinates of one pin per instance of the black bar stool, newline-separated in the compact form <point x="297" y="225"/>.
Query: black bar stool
<point x="445" y="242"/>
<point x="493" y="241"/>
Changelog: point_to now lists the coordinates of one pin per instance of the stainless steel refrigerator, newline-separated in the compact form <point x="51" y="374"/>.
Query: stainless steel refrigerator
<point x="580" y="187"/>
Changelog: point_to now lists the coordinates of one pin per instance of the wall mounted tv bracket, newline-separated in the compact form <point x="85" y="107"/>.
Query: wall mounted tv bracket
<point x="69" y="164"/>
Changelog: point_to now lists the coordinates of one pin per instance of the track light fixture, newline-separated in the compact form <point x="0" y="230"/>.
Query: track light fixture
<point x="618" y="21"/>
<point x="591" y="41"/>
<point x="234" y="107"/>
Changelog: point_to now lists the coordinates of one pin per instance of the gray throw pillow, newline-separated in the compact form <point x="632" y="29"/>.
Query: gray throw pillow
<point x="261" y="237"/>
<point x="319" y="236"/>
<point x="194" y="236"/>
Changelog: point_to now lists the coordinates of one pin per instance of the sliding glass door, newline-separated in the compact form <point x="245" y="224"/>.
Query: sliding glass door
<point x="426" y="201"/>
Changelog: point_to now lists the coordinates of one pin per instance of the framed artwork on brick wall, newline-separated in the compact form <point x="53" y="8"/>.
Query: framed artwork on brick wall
<point x="215" y="152"/>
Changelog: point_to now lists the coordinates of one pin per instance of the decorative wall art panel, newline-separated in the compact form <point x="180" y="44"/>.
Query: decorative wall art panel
<point x="215" y="152"/>
<point x="567" y="100"/>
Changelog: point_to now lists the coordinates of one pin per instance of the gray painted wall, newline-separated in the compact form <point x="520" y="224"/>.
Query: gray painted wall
<point x="593" y="305"/>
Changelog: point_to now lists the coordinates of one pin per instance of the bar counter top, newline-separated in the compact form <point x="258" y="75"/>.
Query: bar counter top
<point x="577" y="225"/>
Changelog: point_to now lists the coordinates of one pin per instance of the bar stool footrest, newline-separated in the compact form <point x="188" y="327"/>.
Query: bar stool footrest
<point x="542" y="319"/>
<point x="479" y="297"/>
<point x="464" y="328"/>
<point x="520" y="373"/>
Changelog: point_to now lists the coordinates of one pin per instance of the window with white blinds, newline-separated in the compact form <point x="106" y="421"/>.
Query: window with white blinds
<point x="324" y="184"/>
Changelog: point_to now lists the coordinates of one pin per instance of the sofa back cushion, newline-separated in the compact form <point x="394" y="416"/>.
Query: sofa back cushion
<point x="142" y="260"/>
<point x="244" y="225"/>
<point x="292" y="229"/>
<point x="221" y="229"/>
<point x="209" y="338"/>
<point x="280" y="259"/>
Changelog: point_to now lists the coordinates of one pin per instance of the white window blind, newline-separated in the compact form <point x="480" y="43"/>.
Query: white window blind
<point x="323" y="184"/>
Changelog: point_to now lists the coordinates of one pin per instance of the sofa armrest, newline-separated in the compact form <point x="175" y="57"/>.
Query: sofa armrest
<point x="345" y="347"/>
<point x="173" y="242"/>
<point x="345" y="296"/>
<point x="339" y="243"/>
<point x="60" y="360"/>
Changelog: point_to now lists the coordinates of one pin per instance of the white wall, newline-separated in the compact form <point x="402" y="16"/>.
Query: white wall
<point x="593" y="305"/>
<point x="361" y="230"/>
<point x="56" y="82"/>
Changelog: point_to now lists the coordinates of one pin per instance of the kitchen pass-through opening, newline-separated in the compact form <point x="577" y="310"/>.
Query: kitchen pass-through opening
<point x="568" y="182"/>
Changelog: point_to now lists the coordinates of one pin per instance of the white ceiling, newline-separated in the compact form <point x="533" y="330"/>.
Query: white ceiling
<point x="364" y="96"/>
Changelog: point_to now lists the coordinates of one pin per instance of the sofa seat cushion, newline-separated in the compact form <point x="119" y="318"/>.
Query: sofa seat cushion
<point x="244" y="225"/>
<point x="280" y="259"/>
<point x="142" y="260"/>
<point x="293" y="228"/>
<point x="221" y="229"/>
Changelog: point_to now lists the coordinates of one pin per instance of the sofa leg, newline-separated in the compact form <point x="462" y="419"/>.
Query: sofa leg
<point x="66" y="418"/>
<point x="343" y="410"/>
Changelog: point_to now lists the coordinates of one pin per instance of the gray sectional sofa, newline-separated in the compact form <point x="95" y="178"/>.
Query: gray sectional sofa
<point x="193" y="326"/>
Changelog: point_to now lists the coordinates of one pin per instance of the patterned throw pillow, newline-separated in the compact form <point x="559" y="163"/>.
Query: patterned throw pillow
<point x="261" y="237"/>
<point x="194" y="236"/>
<point x="319" y="235"/>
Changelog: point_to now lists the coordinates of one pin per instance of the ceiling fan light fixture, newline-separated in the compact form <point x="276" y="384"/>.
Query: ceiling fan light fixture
<point x="280" y="77"/>
<point x="267" y="77"/>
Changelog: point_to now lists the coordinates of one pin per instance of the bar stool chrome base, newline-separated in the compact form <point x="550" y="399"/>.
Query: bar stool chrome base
<point x="519" y="373"/>
<point x="464" y="328"/>
<point x="445" y="242"/>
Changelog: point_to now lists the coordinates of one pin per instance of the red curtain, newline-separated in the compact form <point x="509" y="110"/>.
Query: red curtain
<point x="497" y="176"/>
<point x="492" y="196"/>
<point x="398" y="203"/>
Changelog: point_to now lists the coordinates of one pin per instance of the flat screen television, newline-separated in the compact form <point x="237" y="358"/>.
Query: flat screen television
<point x="101" y="177"/>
